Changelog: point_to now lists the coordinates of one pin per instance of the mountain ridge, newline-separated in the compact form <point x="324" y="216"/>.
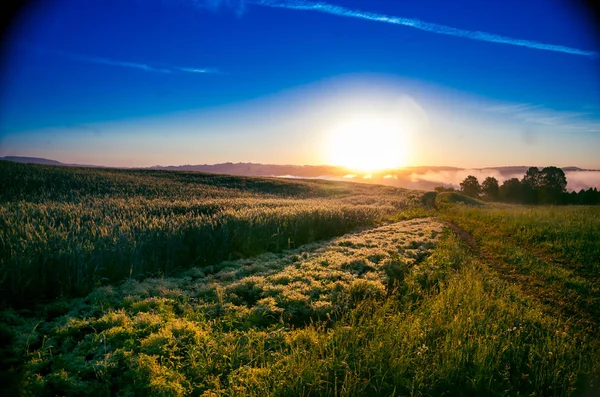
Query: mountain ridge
<point x="414" y="177"/>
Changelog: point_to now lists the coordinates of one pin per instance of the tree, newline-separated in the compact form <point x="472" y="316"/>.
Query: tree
<point x="573" y="197"/>
<point x="490" y="188"/>
<point x="589" y="197"/>
<point x="552" y="183"/>
<point x="532" y="177"/>
<point x="529" y="185"/>
<point x="511" y="191"/>
<point x="470" y="186"/>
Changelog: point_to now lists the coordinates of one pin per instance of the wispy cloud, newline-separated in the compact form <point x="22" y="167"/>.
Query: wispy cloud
<point x="198" y="70"/>
<point x="126" y="64"/>
<point x="113" y="62"/>
<point x="540" y="115"/>
<point x="238" y="6"/>
<point x="418" y="24"/>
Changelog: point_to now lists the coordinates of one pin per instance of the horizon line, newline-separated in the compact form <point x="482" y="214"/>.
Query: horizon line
<point x="7" y="158"/>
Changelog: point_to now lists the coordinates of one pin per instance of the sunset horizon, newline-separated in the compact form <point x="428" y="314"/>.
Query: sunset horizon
<point x="62" y="161"/>
<point x="329" y="198"/>
<point x="373" y="86"/>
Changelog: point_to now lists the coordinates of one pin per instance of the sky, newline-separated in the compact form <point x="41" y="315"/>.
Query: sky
<point x="358" y="83"/>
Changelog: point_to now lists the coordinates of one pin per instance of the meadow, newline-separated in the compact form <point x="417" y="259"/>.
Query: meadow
<point x="309" y="288"/>
<point x="66" y="230"/>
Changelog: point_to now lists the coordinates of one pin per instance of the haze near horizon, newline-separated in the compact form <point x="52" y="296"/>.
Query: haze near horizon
<point x="362" y="85"/>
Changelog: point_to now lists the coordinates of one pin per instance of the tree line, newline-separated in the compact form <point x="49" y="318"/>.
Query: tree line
<point x="546" y="186"/>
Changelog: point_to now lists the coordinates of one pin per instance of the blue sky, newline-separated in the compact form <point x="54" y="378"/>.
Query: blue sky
<point x="144" y="82"/>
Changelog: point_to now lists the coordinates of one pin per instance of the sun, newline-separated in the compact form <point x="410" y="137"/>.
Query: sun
<point x="369" y="144"/>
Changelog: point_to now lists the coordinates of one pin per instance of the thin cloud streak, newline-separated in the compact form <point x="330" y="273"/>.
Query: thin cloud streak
<point x="134" y="65"/>
<point x="198" y="70"/>
<point x="418" y="24"/>
<point x="112" y="62"/>
<point x="540" y="115"/>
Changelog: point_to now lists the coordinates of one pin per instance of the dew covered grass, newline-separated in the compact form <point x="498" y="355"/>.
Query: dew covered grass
<point x="397" y="310"/>
<point x="140" y="283"/>
<point x="64" y="231"/>
<point x="553" y="253"/>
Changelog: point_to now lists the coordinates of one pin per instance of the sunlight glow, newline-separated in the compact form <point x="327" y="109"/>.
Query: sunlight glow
<point x="369" y="143"/>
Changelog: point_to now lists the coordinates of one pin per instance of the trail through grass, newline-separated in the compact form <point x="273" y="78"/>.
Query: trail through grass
<point x="185" y="284"/>
<point x="552" y="253"/>
<point x="395" y="310"/>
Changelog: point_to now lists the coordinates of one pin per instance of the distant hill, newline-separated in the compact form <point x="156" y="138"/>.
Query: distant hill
<point x="420" y="177"/>
<point x="40" y="160"/>
<point x="32" y="160"/>
<point x="254" y="169"/>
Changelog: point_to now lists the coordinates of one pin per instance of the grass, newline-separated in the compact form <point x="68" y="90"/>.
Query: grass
<point x="470" y="300"/>
<point x="447" y="199"/>
<point x="383" y="321"/>
<point x="569" y="234"/>
<point x="553" y="252"/>
<point x="66" y="230"/>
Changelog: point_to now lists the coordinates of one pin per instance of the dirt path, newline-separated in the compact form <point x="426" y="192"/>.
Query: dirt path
<point x="556" y="300"/>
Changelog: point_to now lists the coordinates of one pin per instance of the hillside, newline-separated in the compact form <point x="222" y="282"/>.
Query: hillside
<point x="31" y="160"/>
<point x="417" y="177"/>
<point x="163" y="283"/>
<point x="65" y="230"/>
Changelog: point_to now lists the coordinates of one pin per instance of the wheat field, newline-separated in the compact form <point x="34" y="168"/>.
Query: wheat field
<point x="128" y="283"/>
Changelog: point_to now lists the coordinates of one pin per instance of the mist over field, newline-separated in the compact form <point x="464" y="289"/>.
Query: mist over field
<point x="193" y="281"/>
<point x="429" y="179"/>
<point x="576" y="180"/>
<point x="420" y="178"/>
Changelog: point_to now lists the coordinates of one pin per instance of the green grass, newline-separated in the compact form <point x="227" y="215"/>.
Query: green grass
<point x="65" y="230"/>
<point x="553" y="252"/>
<point x="569" y="234"/>
<point x="213" y="288"/>
<point x="383" y="320"/>
<point x="446" y="199"/>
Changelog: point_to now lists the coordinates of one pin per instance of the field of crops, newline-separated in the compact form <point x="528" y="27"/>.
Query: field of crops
<point x="178" y="284"/>
<point x="64" y="231"/>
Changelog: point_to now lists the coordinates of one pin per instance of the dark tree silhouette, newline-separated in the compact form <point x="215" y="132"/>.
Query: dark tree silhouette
<point x="532" y="177"/>
<point x="588" y="197"/>
<point x="552" y="184"/>
<point x="470" y="186"/>
<point x="511" y="191"/>
<point x="530" y="184"/>
<point x="490" y="188"/>
<point x="583" y="197"/>
<point x="548" y="186"/>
